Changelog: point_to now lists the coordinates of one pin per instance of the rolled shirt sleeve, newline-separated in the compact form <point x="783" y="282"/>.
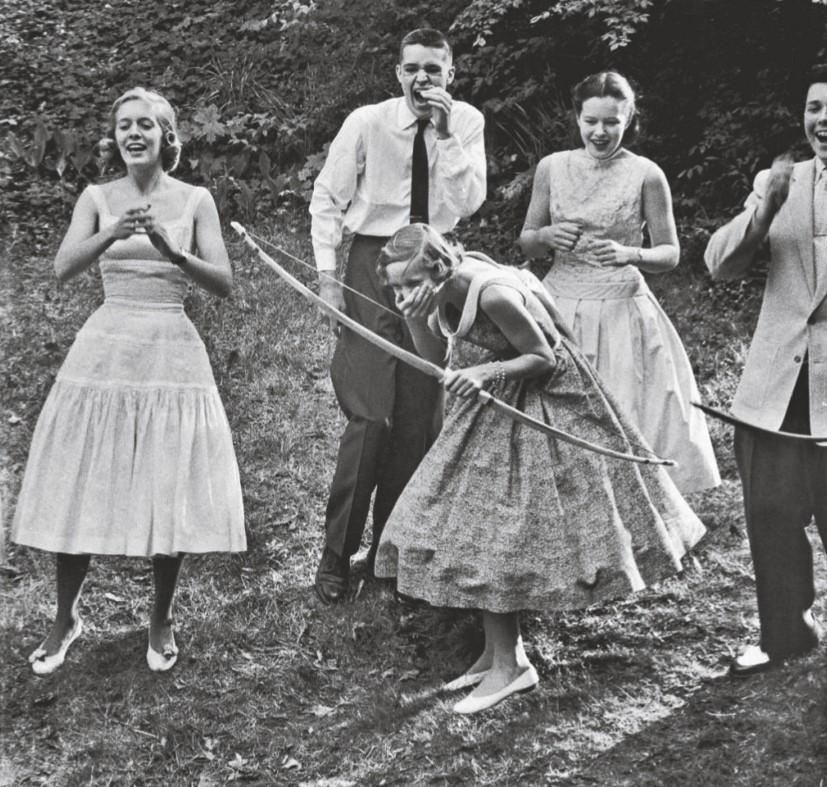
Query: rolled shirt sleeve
<point x="461" y="166"/>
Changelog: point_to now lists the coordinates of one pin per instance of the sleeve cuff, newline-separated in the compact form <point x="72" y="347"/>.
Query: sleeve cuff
<point x="325" y="258"/>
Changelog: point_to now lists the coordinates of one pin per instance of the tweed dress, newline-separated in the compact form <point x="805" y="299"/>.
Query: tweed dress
<point x="502" y="517"/>
<point x="132" y="452"/>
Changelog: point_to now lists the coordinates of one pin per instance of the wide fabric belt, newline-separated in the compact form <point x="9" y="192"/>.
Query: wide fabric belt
<point x="596" y="290"/>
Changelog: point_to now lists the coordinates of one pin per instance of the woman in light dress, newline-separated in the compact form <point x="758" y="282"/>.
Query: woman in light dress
<point x="500" y="516"/>
<point x="589" y="208"/>
<point x="132" y="453"/>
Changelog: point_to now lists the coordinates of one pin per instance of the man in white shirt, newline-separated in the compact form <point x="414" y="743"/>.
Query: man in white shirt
<point x="784" y="386"/>
<point x="418" y="157"/>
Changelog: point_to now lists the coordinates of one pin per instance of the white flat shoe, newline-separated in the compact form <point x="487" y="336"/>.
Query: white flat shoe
<point x="525" y="682"/>
<point x="464" y="681"/>
<point x="161" y="662"/>
<point x="46" y="665"/>
<point x="751" y="662"/>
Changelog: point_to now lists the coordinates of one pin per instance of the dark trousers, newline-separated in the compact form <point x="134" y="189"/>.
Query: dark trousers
<point x="785" y="488"/>
<point x="394" y="412"/>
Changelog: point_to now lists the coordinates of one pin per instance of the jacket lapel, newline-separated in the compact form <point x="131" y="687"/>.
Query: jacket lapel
<point x="800" y="204"/>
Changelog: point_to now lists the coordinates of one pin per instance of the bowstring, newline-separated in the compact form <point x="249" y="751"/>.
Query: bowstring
<point x="325" y="274"/>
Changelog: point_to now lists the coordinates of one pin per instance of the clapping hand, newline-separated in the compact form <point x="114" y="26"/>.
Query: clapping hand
<point x="144" y="220"/>
<point x="778" y="183"/>
<point x="610" y="253"/>
<point x="129" y="223"/>
<point x="563" y="236"/>
<point x="157" y="233"/>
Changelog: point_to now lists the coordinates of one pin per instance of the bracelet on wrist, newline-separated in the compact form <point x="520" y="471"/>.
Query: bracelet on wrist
<point x="499" y="374"/>
<point x="639" y="256"/>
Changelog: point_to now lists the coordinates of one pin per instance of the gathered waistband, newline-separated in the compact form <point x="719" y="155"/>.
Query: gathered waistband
<point x="136" y="303"/>
<point x="596" y="290"/>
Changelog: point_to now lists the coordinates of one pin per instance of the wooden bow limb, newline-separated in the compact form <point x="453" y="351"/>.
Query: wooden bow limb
<point x="732" y="420"/>
<point x="431" y="369"/>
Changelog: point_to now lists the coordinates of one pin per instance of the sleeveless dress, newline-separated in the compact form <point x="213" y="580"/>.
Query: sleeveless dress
<point x="502" y="517"/>
<point x="618" y="324"/>
<point x="132" y="452"/>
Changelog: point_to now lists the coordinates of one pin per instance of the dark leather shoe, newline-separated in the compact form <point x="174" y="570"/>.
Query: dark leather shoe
<point x="409" y="601"/>
<point x="331" y="577"/>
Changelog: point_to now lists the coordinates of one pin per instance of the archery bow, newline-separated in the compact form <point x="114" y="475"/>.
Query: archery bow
<point x="431" y="369"/>
<point x="732" y="420"/>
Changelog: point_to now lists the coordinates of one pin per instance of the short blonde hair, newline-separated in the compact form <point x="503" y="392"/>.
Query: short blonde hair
<point x="420" y="241"/>
<point x="164" y="114"/>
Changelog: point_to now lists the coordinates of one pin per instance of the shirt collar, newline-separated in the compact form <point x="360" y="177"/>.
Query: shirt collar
<point x="404" y="116"/>
<point x="820" y="167"/>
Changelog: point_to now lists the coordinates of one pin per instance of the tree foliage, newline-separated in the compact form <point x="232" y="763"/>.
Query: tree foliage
<point x="262" y="87"/>
<point x="620" y="18"/>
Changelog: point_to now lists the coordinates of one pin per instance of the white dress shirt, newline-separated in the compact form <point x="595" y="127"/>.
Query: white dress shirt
<point x="820" y="220"/>
<point x="365" y="184"/>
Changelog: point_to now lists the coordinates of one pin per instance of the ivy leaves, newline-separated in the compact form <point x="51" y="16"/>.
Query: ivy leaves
<point x="206" y="124"/>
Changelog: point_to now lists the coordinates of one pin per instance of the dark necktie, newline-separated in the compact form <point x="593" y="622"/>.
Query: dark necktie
<point x="419" y="175"/>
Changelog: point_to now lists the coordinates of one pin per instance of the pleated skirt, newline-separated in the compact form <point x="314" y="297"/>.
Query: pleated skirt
<point x="132" y="452"/>
<point x="626" y="336"/>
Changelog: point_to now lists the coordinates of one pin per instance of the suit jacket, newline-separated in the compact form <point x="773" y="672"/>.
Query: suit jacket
<point x="793" y="320"/>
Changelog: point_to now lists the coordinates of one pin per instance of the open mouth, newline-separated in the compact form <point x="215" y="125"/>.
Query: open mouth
<point x="418" y="94"/>
<point x="135" y="147"/>
<point x="821" y="136"/>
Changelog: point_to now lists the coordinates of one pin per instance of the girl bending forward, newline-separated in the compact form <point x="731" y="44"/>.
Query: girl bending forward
<point x="500" y="516"/>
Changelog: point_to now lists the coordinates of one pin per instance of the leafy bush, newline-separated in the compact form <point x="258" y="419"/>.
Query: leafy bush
<point x="262" y="90"/>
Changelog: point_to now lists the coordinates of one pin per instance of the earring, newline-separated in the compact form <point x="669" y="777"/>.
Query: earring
<point x="106" y="149"/>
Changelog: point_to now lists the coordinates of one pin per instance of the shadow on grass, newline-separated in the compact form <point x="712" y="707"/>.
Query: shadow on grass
<point x="727" y="733"/>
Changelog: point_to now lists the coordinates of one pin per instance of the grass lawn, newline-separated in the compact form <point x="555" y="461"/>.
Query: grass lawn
<point x="273" y="688"/>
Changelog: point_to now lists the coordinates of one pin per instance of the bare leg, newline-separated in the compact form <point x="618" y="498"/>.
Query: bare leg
<point x="165" y="570"/>
<point x="505" y="648"/>
<point x="70" y="573"/>
<point x="486" y="659"/>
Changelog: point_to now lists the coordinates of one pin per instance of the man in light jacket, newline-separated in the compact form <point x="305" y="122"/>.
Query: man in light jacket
<point x="784" y="386"/>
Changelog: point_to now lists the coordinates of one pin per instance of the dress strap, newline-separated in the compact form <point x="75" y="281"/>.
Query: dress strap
<point x="190" y="209"/>
<point x="193" y="202"/>
<point x="479" y="282"/>
<point x="96" y="193"/>
<point x="545" y="299"/>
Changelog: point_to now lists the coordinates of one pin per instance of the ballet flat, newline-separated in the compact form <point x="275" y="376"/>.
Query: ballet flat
<point x="464" y="681"/>
<point x="46" y="665"/>
<point x="161" y="662"/>
<point x="525" y="682"/>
